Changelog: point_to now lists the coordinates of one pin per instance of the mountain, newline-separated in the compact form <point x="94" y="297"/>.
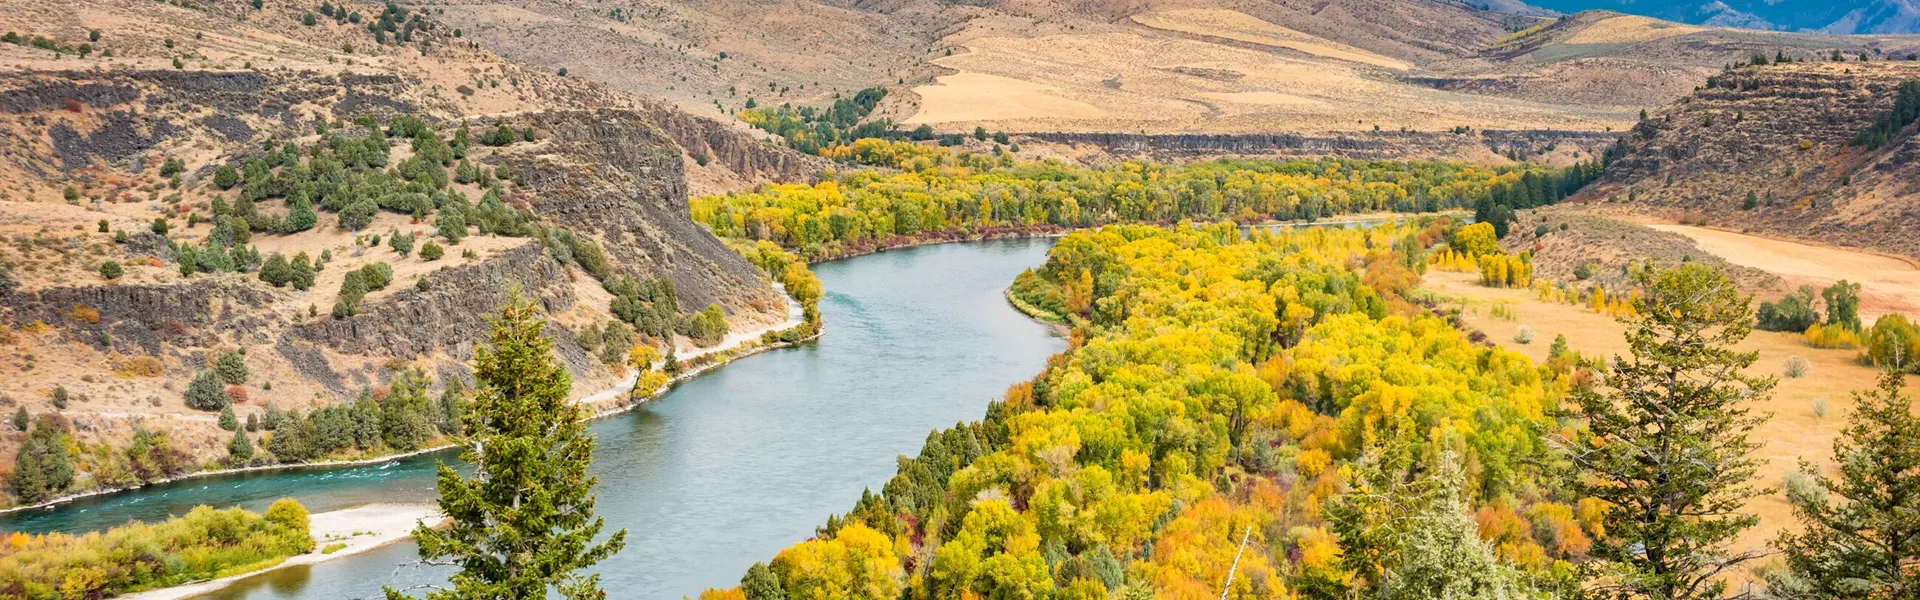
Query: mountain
<point x="1845" y="17"/>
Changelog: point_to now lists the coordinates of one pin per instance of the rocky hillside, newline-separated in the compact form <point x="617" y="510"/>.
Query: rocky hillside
<point x="162" y="165"/>
<point x="1784" y="136"/>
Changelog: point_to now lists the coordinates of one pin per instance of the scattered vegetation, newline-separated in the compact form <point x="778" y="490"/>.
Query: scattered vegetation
<point x="203" y="544"/>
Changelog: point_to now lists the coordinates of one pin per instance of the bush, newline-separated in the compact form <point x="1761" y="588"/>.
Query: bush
<point x="111" y="269"/>
<point x="1796" y="367"/>
<point x="205" y="393"/>
<point x="1820" y="407"/>
<point x="1523" y="335"/>
<point x="232" y="367"/>
<point x="431" y="251"/>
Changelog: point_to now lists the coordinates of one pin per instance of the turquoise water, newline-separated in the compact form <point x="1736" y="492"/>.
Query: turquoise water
<point x="728" y="468"/>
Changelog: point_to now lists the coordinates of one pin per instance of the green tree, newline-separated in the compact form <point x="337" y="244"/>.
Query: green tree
<point x="228" y="421"/>
<point x="302" y="272"/>
<point x="1843" y="304"/>
<point x="523" y="526"/>
<point x="761" y="583"/>
<point x="232" y="366"/>
<point x="1860" y="535"/>
<point x="20" y="417"/>
<point x="226" y="176"/>
<point x="41" y="468"/>
<point x="241" y="448"/>
<point x="205" y="393"/>
<point x="111" y="269"/>
<point x="431" y="251"/>
<point x="402" y="243"/>
<point x="276" y="271"/>
<point x="1668" y="450"/>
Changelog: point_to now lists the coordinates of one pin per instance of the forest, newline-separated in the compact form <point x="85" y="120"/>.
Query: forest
<point x="928" y="192"/>
<point x="1288" y="389"/>
<point x="203" y="544"/>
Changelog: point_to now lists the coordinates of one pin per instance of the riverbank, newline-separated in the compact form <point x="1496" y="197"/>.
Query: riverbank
<point x="346" y="532"/>
<point x="736" y="345"/>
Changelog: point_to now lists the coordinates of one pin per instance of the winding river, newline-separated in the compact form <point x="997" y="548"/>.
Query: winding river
<point x="726" y="469"/>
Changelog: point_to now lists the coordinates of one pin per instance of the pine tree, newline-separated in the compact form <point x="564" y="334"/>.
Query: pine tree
<point x="205" y="393"/>
<point x="20" y="418"/>
<point x="241" y="448"/>
<point x="1668" y="448"/>
<point x="761" y="583"/>
<point x="1866" y="545"/>
<point x="523" y="526"/>
<point x="227" y="420"/>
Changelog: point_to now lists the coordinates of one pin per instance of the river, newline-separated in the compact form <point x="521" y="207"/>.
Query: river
<point x="726" y="469"/>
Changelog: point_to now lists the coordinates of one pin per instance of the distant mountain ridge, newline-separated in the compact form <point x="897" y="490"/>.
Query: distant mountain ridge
<point x="1841" y="17"/>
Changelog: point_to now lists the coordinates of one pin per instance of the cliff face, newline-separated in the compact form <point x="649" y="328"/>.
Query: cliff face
<point x="612" y="175"/>
<point x="1380" y="145"/>
<point x="1781" y="133"/>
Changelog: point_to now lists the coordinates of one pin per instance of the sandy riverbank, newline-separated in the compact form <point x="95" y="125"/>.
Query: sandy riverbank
<point x="361" y="528"/>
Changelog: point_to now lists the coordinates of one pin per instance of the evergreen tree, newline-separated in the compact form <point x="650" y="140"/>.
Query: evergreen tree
<point x="241" y="448"/>
<point x="227" y="420"/>
<point x="523" y="526"/>
<point x="205" y="393"/>
<point x="761" y="583"/>
<point x="1861" y="534"/>
<point x="20" y="417"/>
<point x="41" y="469"/>
<point x="232" y="367"/>
<point x="1668" y="448"/>
<point x="276" y="271"/>
<point x="302" y="273"/>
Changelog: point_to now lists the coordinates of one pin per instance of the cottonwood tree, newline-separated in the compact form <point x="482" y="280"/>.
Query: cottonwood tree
<point x="1667" y="447"/>
<point x="523" y="526"/>
<point x="1861" y="536"/>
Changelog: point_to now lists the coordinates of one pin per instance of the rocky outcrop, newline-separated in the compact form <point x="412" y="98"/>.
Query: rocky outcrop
<point x="146" y="316"/>
<point x="1781" y="134"/>
<point x="1383" y="145"/>
<point x="451" y="314"/>
<point x="611" y="175"/>
<point x="739" y="151"/>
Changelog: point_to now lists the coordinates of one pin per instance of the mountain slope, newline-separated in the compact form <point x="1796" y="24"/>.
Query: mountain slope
<point x="1784" y="134"/>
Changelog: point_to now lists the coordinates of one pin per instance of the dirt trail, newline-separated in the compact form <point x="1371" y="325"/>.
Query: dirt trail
<point x="1887" y="284"/>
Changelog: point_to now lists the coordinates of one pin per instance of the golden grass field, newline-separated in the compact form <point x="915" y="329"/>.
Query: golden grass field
<point x="1794" y="433"/>
<point x="1209" y="71"/>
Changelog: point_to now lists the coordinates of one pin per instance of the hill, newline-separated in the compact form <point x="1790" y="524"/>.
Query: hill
<point x="1333" y="72"/>
<point x="1787" y="137"/>
<point x="174" y="171"/>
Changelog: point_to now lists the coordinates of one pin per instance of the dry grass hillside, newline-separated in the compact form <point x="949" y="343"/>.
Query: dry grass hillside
<point x="1783" y="134"/>
<point x="116" y="114"/>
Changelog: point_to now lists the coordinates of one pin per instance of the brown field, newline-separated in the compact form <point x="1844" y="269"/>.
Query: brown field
<point x="1794" y="433"/>
<point x="1245" y="28"/>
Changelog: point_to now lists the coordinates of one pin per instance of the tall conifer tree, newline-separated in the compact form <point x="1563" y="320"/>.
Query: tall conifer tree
<point x="523" y="526"/>
<point x="1668" y="449"/>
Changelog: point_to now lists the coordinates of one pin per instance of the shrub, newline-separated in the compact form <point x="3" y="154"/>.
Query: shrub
<point x="205" y="392"/>
<point x="232" y="367"/>
<point x="1820" y="407"/>
<point x="1523" y="335"/>
<point x="1832" y="336"/>
<point x="1796" y="367"/>
<point x="84" y="314"/>
<point x="59" y="396"/>
<point x="111" y="270"/>
<point x="431" y="251"/>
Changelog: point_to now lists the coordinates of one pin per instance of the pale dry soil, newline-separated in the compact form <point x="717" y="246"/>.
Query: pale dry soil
<point x="1792" y="434"/>
<point x="361" y="528"/>
<point x="1887" y="284"/>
